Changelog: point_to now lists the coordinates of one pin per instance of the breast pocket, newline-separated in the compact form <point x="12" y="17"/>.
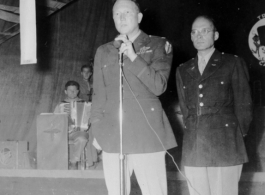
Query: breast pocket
<point x="147" y="57"/>
<point x="190" y="89"/>
<point x="108" y="71"/>
<point x="220" y="88"/>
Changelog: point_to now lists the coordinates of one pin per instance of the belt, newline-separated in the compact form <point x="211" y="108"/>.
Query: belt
<point x="211" y="110"/>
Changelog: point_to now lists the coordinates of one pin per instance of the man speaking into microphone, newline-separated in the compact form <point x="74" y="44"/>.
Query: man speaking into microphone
<point x="147" y="133"/>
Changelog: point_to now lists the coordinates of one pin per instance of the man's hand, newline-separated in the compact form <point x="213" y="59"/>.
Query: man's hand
<point x="71" y="129"/>
<point x="127" y="47"/>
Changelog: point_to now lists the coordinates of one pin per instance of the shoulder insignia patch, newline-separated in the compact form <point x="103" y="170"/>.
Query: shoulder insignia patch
<point x="153" y="36"/>
<point x="168" y="47"/>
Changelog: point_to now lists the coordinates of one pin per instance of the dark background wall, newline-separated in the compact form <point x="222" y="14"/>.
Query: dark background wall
<point x="234" y="21"/>
<point x="68" y="39"/>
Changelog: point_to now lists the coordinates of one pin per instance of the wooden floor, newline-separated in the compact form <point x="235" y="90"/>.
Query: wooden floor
<point x="95" y="186"/>
<point x="91" y="182"/>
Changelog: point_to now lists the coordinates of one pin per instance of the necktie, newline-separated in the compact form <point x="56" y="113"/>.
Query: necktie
<point x="202" y="65"/>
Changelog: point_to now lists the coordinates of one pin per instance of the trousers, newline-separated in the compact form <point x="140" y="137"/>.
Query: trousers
<point x="149" y="169"/>
<point x="79" y="139"/>
<point x="213" y="180"/>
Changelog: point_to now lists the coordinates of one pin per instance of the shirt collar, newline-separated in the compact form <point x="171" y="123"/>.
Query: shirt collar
<point x="207" y="56"/>
<point x="72" y="100"/>
<point x="135" y="36"/>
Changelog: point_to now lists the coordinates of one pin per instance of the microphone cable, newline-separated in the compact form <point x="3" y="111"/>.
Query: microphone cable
<point x="140" y="106"/>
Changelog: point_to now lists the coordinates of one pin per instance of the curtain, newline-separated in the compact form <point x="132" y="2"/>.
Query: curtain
<point x="66" y="40"/>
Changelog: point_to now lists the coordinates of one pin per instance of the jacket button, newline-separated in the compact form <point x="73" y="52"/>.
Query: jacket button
<point x="152" y="109"/>
<point x="226" y="125"/>
<point x="201" y="95"/>
<point x="200" y="86"/>
<point x="201" y="104"/>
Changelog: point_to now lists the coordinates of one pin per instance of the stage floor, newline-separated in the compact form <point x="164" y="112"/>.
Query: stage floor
<point x="88" y="182"/>
<point x="91" y="182"/>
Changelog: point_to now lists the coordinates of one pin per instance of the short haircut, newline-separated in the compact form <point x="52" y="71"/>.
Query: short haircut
<point x="138" y="9"/>
<point x="71" y="83"/>
<point x="86" y="66"/>
<point x="209" y="18"/>
<point x="137" y="6"/>
<point x="90" y="65"/>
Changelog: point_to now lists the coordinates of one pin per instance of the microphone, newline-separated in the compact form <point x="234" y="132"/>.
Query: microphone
<point x="117" y="43"/>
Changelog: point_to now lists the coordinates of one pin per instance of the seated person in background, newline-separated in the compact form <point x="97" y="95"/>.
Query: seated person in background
<point x="86" y="83"/>
<point x="79" y="138"/>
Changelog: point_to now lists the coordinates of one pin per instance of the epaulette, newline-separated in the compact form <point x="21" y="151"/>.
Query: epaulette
<point x="152" y="36"/>
<point x="229" y="54"/>
<point x="187" y="62"/>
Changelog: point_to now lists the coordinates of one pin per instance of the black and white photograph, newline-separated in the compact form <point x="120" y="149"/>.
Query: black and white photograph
<point x="132" y="97"/>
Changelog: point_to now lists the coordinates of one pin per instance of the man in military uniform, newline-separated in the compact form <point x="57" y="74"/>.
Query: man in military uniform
<point x="215" y="101"/>
<point x="146" y="130"/>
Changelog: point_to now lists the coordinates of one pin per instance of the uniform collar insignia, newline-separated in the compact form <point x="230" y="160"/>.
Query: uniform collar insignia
<point x="193" y="71"/>
<point x="215" y="62"/>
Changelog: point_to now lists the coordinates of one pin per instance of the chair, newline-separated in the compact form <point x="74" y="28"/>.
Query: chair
<point x="82" y="164"/>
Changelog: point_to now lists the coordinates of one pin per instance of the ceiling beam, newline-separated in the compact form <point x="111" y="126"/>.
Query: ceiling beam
<point x="51" y="4"/>
<point x="8" y="16"/>
<point x="8" y="33"/>
<point x="9" y="8"/>
<point x="11" y="14"/>
<point x="54" y="5"/>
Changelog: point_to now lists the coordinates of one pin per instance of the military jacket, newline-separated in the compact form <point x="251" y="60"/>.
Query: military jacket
<point x="217" y="111"/>
<point x="145" y="126"/>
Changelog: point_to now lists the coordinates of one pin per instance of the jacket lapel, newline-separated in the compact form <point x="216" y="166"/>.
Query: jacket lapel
<point x="193" y="68"/>
<point x="113" y="54"/>
<point x="142" y="40"/>
<point x="212" y="66"/>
